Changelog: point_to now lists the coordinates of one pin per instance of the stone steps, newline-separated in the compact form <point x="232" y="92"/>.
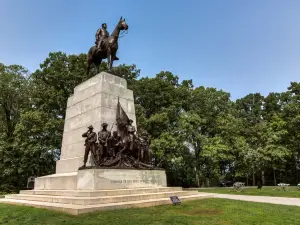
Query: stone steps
<point x="91" y="193"/>
<point x="97" y="200"/>
<point x="79" y="209"/>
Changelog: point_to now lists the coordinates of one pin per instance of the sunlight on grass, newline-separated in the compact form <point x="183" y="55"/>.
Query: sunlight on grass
<point x="206" y="211"/>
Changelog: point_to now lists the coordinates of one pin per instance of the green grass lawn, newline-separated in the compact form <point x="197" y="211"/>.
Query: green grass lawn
<point x="291" y="192"/>
<point x="206" y="211"/>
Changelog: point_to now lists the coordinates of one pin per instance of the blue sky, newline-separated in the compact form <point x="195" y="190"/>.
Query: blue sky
<point x="237" y="46"/>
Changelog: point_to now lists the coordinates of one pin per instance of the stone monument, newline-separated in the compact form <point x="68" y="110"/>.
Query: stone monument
<point x="91" y="176"/>
<point x="93" y="103"/>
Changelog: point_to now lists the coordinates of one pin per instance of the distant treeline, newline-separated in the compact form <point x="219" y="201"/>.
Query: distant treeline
<point x="197" y="134"/>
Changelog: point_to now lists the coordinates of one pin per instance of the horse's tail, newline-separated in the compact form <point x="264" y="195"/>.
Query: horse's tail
<point x="89" y="60"/>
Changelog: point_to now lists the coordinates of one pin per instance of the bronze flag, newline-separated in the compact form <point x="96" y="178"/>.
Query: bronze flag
<point x="122" y="120"/>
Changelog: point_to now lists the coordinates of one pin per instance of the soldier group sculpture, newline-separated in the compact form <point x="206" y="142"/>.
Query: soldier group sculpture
<point x="122" y="149"/>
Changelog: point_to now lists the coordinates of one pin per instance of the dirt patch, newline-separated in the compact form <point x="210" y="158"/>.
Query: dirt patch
<point x="203" y="212"/>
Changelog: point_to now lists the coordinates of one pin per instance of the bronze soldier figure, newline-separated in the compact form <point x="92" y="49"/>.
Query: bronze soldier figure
<point x="115" y="143"/>
<point x="144" y="151"/>
<point x="130" y="130"/>
<point x="90" y="143"/>
<point x="101" y="35"/>
<point x="103" y="137"/>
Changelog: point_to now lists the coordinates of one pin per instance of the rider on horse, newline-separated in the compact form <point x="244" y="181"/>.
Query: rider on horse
<point x="101" y="35"/>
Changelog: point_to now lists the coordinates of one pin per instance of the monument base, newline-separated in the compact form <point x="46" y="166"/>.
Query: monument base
<point x="103" y="179"/>
<point x="91" y="190"/>
<point x="78" y="202"/>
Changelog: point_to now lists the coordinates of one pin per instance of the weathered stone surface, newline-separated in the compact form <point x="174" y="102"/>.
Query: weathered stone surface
<point x="115" y="90"/>
<point x="63" y="181"/>
<point x="99" y="100"/>
<point x="97" y="179"/>
<point x="97" y="199"/>
<point x="102" y="77"/>
<point x="98" y="193"/>
<point x="71" y="164"/>
<point x="72" y="150"/>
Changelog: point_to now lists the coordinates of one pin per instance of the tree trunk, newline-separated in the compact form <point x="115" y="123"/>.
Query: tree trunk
<point x="207" y="182"/>
<point x="274" y="176"/>
<point x="262" y="177"/>
<point x="197" y="178"/>
<point x="247" y="181"/>
<point x="294" y="172"/>
<point x="253" y="178"/>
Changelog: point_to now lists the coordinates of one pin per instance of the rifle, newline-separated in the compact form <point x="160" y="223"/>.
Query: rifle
<point x="110" y="131"/>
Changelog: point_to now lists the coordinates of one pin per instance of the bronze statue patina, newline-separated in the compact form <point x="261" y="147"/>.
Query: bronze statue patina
<point x="103" y="137"/>
<point x="124" y="149"/>
<point x="90" y="144"/>
<point x="101" y="34"/>
<point x="144" y="151"/>
<point x="130" y="132"/>
<point x="106" y="46"/>
<point x="115" y="143"/>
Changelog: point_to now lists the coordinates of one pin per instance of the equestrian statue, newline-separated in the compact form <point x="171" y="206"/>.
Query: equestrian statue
<point x="106" y="46"/>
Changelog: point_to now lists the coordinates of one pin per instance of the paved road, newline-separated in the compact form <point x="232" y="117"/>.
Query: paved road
<point x="264" y="199"/>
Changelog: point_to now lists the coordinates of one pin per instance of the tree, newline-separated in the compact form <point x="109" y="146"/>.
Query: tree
<point x="13" y="96"/>
<point x="14" y="100"/>
<point x="275" y="153"/>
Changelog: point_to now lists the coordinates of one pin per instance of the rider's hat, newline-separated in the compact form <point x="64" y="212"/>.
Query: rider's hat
<point x="90" y="127"/>
<point x="104" y="125"/>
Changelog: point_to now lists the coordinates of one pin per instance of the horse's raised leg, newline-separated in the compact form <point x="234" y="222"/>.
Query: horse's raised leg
<point x="109" y="59"/>
<point x="111" y="64"/>
<point x="113" y="58"/>
<point x="97" y="68"/>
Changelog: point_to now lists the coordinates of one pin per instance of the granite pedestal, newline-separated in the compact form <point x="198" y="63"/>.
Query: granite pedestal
<point x="103" y="179"/>
<point x="93" y="102"/>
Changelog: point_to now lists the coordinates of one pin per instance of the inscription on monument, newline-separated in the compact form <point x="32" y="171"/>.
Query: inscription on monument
<point x="132" y="181"/>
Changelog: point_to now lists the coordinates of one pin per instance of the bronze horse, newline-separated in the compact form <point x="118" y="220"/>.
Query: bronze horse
<point x="109" y="50"/>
